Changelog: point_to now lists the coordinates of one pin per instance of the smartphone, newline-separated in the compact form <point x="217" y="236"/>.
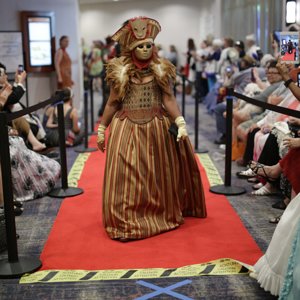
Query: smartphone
<point x="298" y="79"/>
<point x="252" y="76"/>
<point x="20" y="69"/>
<point x="289" y="46"/>
<point x="228" y="69"/>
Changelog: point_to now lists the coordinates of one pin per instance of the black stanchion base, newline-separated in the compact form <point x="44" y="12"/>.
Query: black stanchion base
<point x="201" y="151"/>
<point x="19" y="268"/>
<point x="64" y="193"/>
<point x="227" y="190"/>
<point x="83" y="150"/>
<point x="93" y="133"/>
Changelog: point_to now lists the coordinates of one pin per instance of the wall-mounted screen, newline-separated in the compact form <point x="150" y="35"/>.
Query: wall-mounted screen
<point x="39" y="31"/>
<point x="39" y="41"/>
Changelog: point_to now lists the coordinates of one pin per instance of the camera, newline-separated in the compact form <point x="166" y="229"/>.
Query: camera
<point x="228" y="69"/>
<point x="20" y="69"/>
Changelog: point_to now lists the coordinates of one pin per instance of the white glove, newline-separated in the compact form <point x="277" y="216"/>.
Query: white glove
<point x="101" y="137"/>
<point x="182" y="132"/>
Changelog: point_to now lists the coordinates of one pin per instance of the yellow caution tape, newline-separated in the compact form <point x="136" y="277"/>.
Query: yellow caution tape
<point x="224" y="266"/>
<point x="77" y="168"/>
<point x="212" y="173"/>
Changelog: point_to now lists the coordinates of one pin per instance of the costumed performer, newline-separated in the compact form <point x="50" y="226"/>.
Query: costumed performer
<point x="151" y="179"/>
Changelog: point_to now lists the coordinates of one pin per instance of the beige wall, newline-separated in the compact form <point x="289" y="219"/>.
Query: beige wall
<point x="42" y="85"/>
<point x="179" y="19"/>
<point x="261" y="17"/>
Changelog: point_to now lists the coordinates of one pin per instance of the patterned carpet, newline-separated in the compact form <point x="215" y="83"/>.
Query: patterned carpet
<point x="34" y="225"/>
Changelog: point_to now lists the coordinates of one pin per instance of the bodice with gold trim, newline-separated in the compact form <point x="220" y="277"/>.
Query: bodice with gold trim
<point x="142" y="103"/>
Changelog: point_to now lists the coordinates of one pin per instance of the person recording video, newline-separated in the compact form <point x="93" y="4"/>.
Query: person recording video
<point x="283" y="69"/>
<point x="18" y="88"/>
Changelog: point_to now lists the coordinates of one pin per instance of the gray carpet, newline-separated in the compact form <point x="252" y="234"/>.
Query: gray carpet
<point x="35" y="223"/>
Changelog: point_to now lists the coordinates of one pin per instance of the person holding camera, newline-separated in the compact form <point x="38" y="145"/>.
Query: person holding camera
<point x="20" y="125"/>
<point x="17" y="90"/>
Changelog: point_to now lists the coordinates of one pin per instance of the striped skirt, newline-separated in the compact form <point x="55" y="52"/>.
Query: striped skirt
<point x="150" y="181"/>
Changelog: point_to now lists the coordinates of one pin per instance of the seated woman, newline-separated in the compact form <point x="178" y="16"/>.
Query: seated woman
<point x="9" y="102"/>
<point x="72" y="130"/>
<point x="241" y="113"/>
<point x="273" y="268"/>
<point x="268" y="122"/>
<point x="23" y="129"/>
<point x="33" y="174"/>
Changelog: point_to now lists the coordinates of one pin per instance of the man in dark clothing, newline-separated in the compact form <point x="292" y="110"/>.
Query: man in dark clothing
<point x="18" y="88"/>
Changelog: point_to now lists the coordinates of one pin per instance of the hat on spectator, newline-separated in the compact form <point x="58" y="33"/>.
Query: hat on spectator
<point x="217" y="42"/>
<point x="250" y="37"/>
<point x="239" y="44"/>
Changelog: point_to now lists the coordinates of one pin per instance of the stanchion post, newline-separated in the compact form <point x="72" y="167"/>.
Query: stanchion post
<point x="183" y="95"/>
<point x="228" y="150"/>
<point x="92" y="106"/>
<point x="227" y="189"/>
<point x="7" y="192"/>
<point x="13" y="267"/>
<point x="86" y="139"/>
<point x="197" y="150"/>
<point x="65" y="190"/>
<point x="62" y="146"/>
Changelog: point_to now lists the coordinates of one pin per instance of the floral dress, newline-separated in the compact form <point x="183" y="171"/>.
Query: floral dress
<point x="33" y="174"/>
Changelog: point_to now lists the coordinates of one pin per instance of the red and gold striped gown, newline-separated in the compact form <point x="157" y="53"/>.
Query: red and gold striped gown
<point x="150" y="181"/>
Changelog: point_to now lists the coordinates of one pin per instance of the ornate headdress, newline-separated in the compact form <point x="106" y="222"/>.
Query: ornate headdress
<point x="137" y="31"/>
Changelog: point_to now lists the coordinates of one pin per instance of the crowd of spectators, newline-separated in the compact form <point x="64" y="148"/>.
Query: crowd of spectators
<point x="266" y="142"/>
<point x="33" y="173"/>
<point x="258" y="134"/>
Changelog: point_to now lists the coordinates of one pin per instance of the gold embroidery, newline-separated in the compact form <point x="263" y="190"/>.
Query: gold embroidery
<point x="142" y="103"/>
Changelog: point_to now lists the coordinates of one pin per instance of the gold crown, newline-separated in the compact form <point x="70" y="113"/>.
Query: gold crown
<point x="137" y="31"/>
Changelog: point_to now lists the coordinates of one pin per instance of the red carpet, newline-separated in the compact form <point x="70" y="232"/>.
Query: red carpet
<point x="78" y="240"/>
<point x="289" y="56"/>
